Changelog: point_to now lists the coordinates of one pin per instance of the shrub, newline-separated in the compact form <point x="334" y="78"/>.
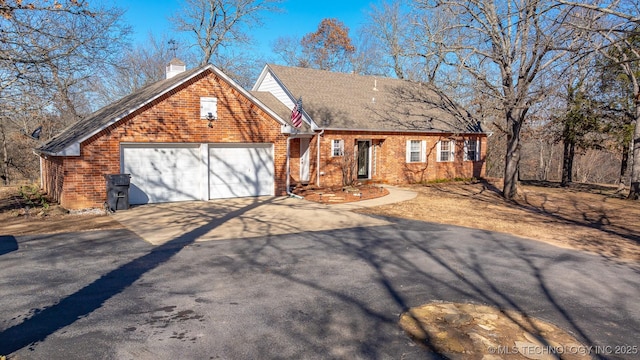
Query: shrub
<point x="33" y="196"/>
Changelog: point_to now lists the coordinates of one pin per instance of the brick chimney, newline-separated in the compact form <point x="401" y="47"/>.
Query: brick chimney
<point x="175" y="67"/>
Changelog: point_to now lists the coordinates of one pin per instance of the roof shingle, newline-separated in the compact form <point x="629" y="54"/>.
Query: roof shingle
<point x="356" y="102"/>
<point x="101" y="118"/>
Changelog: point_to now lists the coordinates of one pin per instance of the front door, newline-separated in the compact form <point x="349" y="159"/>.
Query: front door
<point x="304" y="160"/>
<point x="363" y="159"/>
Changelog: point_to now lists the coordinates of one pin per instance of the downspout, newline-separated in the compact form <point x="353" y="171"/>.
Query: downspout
<point x="289" y="193"/>
<point x="318" y="161"/>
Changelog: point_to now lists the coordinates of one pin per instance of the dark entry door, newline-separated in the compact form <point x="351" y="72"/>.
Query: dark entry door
<point x="363" y="159"/>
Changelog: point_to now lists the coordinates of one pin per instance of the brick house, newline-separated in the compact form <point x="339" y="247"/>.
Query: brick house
<point x="169" y="136"/>
<point x="198" y="135"/>
<point x="378" y="129"/>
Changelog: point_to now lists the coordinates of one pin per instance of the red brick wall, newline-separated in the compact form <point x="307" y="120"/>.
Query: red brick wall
<point x="52" y="176"/>
<point x="388" y="157"/>
<point x="173" y="118"/>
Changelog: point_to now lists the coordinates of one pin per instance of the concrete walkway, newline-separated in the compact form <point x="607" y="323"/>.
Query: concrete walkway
<point x="396" y="195"/>
<point x="249" y="217"/>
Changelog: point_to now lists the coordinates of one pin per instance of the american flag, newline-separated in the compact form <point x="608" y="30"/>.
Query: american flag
<point x="296" y="114"/>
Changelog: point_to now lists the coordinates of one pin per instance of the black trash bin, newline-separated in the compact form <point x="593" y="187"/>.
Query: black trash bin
<point x="117" y="191"/>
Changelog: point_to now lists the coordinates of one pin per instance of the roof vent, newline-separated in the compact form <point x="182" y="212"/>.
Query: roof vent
<point x="175" y="67"/>
<point x="375" y="84"/>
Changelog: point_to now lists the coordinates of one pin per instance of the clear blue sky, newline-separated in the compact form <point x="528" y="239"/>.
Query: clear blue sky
<point x="298" y="18"/>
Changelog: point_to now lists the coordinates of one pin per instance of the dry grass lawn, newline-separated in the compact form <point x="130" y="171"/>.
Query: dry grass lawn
<point x="587" y="217"/>
<point x="19" y="216"/>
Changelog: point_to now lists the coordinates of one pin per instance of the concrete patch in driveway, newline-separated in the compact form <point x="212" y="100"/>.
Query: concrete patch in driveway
<point x="238" y="218"/>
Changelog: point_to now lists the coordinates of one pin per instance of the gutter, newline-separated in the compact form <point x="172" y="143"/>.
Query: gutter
<point x="404" y="131"/>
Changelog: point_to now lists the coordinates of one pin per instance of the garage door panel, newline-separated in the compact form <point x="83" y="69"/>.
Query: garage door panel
<point x="174" y="172"/>
<point x="240" y="171"/>
<point x="162" y="173"/>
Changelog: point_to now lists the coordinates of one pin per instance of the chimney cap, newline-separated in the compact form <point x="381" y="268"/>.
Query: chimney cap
<point x="176" y="61"/>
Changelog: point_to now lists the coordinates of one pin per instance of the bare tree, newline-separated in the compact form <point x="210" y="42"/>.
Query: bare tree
<point x="289" y="49"/>
<point x="618" y="38"/>
<point x="22" y="26"/>
<point x="48" y="52"/>
<point x="618" y="113"/>
<point x="537" y="147"/>
<point x="368" y="58"/>
<point x="220" y="23"/>
<point x="626" y="10"/>
<point x="20" y="114"/>
<point x="508" y="47"/>
<point x="409" y="39"/>
<point x="66" y="35"/>
<point x="389" y="25"/>
<point x="138" y="66"/>
<point x="579" y="126"/>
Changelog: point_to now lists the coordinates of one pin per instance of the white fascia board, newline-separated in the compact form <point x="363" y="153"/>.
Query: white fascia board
<point x="263" y="74"/>
<point x="294" y="132"/>
<point x="248" y="95"/>
<point x="71" y="150"/>
<point x="403" y="131"/>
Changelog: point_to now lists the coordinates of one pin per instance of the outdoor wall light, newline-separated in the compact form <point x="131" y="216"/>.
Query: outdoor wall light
<point x="210" y="118"/>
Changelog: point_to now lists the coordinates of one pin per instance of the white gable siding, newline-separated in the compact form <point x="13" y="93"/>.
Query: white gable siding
<point x="269" y="84"/>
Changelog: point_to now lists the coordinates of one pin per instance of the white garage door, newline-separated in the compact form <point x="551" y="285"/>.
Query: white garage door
<point x="162" y="173"/>
<point x="240" y="170"/>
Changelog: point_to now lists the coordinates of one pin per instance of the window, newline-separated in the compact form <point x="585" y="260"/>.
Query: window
<point x="416" y="151"/>
<point x="208" y="105"/>
<point x="337" y="147"/>
<point x="471" y="150"/>
<point x="446" y="150"/>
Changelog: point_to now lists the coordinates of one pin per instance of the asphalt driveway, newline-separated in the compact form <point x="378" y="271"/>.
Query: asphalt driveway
<point x="308" y="294"/>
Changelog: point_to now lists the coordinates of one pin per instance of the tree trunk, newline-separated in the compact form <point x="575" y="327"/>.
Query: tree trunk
<point x="624" y="164"/>
<point x="547" y="168"/>
<point x="540" y="172"/>
<point x="5" y="157"/>
<point x="634" y="192"/>
<point x="512" y="158"/>
<point x="567" y="162"/>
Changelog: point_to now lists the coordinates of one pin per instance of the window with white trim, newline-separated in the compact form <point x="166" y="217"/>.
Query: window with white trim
<point x="471" y="150"/>
<point x="416" y="151"/>
<point x="208" y="105"/>
<point x="446" y="150"/>
<point x="337" y="147"/>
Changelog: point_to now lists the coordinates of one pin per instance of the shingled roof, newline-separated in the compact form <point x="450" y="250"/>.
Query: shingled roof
<point x="67" y="143"/>
<point x="269" y="100"/>
<point x="356" y="102"/>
